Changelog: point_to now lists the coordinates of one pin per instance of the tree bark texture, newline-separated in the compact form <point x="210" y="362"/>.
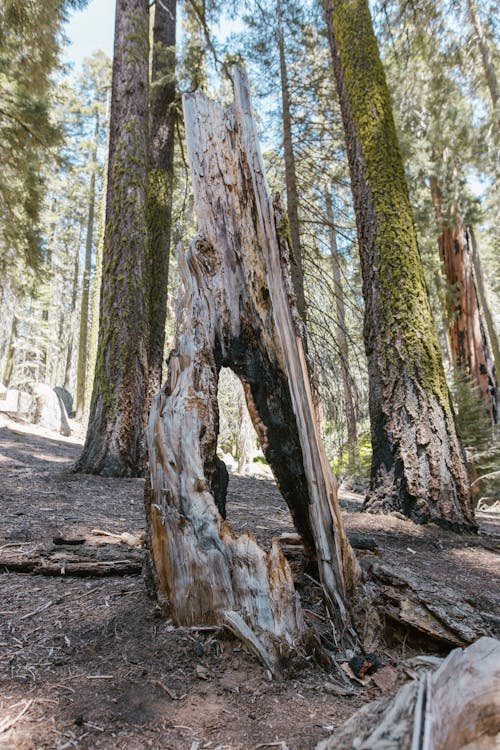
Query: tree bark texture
<point x="418" y="465"/>
<point x="468" y="342"/>
<point x="160" y="180"/>
<point x="238" y="311"/>
<point x="292" y="202"/>
<point x="85" y="301"/>
<point x="117" y="412"/>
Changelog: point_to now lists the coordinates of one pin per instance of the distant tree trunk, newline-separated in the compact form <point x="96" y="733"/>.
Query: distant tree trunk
<point x="483" y="299"/>
<point x="238" y="310"/>
<point x="469" y="346"/>
<point x="296" y="268"/>
<point x="117" y="412"/>
<point x="488" y="66"/>
<point x="74" y="295"/>
<point x="85" y="300"/>
<point x="195" y="56"/>
<point x="246" y="438"/>
<point x="11" y="352"/>
<point x="160" y="181"/>
<point x="97" y="281"/>
<point x="341" y="336"/>
<point x="418" y="465"/>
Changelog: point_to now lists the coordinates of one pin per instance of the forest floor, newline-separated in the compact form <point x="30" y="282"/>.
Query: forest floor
<point x="89" y="662"/>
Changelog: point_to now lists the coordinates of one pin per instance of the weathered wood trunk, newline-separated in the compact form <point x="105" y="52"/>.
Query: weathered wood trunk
<point x="418" y="465"/>
<point x="238" y="311"/>
<point x="455" y="708"/>
<point x="468" y="342"/>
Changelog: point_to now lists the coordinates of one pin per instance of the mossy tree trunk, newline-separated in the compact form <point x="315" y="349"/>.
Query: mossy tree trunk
<point x="117" y="411"/>
<point x="160" y="180"/>
<point x="469" y="346"/>
<point x="418" y="465"/>
<point x="292" y="201"/>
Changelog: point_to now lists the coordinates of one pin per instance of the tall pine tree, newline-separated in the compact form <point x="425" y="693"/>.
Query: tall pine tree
<point x="418" y="464"/>
<point x="119" y="398"/>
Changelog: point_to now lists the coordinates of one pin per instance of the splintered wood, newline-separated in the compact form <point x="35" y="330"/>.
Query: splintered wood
<point x="455" y="708"/>
<point x="237" y="310"/>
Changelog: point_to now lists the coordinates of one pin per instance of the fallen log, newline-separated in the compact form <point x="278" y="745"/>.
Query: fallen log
<point x="425" y="610"/>
<point x="457" y="707"/>
<point x="237" y="310"/>
<point x="78" y="569"/>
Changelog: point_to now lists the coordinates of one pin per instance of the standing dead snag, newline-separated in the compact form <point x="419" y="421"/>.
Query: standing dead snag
<point x="238" y="311"/>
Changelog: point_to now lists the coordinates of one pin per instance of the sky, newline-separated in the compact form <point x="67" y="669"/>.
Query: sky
<point x="92" y="28"/>
<point x="89" y="30"/>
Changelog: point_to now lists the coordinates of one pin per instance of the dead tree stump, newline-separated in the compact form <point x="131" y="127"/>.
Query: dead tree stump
<point x="237" y="310"/>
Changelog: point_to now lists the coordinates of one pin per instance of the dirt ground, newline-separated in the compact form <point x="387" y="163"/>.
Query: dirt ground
<point x="89" y="662"/>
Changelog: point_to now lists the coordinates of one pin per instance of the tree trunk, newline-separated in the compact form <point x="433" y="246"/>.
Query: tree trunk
<point x="297" y="272"/>
<point x="488" y="66"/>
<point x="245" y="441"/>
<point x="85" y="300"/>
<point x="418" y="464"/>
<point x="11" y="351"/>
<point x="97" y="281"/>
<point x="341" y="334"/>
<point x="238" y="311"/>
<point x="160" y="181"/>
<point x="469" y="346"/>
<point x="483" y="299"/>
<point x="117" y="412"/>
<point x="69" y="352"/>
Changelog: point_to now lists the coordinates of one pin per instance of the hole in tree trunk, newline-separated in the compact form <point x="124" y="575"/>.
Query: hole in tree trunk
<point x="254" y="503"/>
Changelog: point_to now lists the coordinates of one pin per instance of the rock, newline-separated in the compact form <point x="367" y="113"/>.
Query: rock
<point x="15" y="402"/>
<point x="49" y="410"/>
<point x="66" y="398"/>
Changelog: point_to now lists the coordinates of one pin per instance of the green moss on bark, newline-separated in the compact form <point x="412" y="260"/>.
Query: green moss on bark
<point x="418" y="464"/>
<point x="404" y="313"/>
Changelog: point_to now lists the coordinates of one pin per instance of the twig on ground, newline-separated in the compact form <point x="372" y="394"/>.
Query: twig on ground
<point x="37" y="610"/>
<point x="8" y="723"/>
<point x="167" y="690"/>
